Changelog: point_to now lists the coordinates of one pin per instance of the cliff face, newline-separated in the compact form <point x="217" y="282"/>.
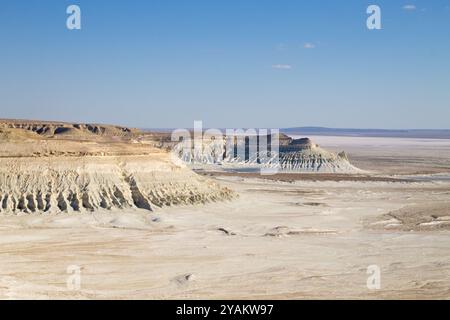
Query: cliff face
<point x="293" y="155"/>
<point x="103" y="167"/>
<point x="65" y="184"/>
<point x="61" y="129"/>
<point x="304" y="155"/>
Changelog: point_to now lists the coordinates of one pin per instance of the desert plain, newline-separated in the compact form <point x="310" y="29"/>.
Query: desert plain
<point x="239" y="235"/>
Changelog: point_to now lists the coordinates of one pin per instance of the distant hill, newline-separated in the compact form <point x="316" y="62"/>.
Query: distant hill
<point x="406" y="133"/>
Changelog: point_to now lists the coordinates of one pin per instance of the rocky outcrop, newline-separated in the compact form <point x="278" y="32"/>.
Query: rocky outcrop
<point x="293" y="155"/>
<point x="306" y="156"/>
<point x="60" y="129"/>
<point x="62" y="167"/>
<point x="91" y="183"/>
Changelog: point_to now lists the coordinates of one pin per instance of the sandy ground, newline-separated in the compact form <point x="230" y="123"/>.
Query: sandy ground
<point x="301" y="238"/>
<point x="277" y="240"/>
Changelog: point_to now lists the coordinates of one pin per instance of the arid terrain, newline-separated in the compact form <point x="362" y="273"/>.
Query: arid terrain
<point x="138" y="223"/>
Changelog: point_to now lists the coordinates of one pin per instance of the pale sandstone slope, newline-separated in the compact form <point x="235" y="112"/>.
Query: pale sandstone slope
<point x="292" y="156"/>
<point x="104" y="169"/>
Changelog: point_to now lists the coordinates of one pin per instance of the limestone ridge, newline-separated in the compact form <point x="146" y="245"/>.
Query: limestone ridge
<point x="57" y="129"/>
<point x="88" y="184"/>
<point x="53" y="167"/>
<point x="294" y="155"/>
<point x="304" y="155"/>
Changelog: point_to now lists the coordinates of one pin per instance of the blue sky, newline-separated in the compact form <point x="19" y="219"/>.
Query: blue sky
<point x="233" y="63"/>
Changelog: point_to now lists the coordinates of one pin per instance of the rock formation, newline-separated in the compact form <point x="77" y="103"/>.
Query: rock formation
<point x="304" y="155"/>
<point x="59" y="167"/>
<point x="293" y="155"/>
<point x="89" y="183"/>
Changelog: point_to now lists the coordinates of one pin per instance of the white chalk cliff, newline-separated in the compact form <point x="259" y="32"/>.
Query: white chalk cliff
<point x="52" y="167"/>
<point x="293" y="155"/>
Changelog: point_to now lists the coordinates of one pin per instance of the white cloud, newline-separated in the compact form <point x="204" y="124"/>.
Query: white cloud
<point x="309" y="45"/>
<point x="409" y="7"/>
<point x="282" y="66"/>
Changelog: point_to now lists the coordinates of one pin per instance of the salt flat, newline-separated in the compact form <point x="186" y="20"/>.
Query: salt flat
<point x="392" y="155"/>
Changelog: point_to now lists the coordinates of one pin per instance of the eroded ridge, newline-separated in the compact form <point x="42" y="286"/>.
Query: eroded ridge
<point x="89" y="183"/>
<point x="293" y="155"/>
